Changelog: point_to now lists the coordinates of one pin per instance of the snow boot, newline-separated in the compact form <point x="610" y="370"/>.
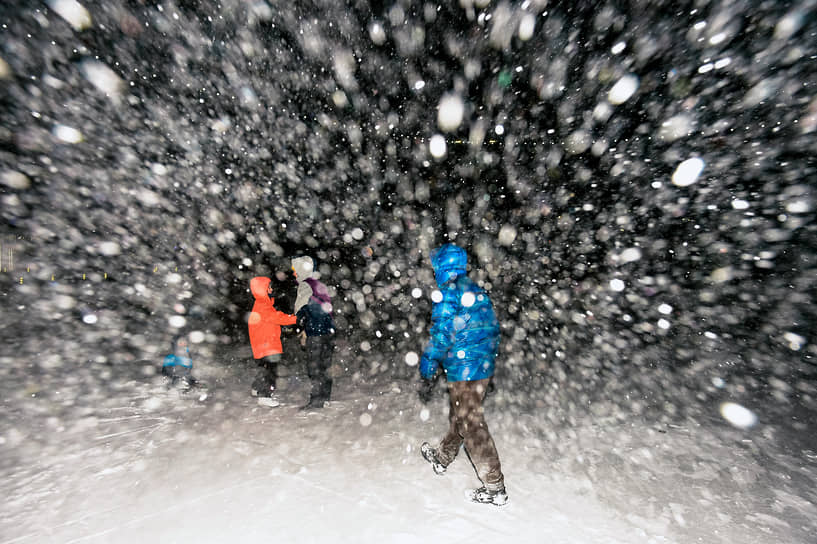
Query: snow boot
<point x="262" y="391"/>
<point x="430" y="455"/>
<point x="316" y="403"/>
<point x="185" y="384"/>
<point x="484" y="496"/>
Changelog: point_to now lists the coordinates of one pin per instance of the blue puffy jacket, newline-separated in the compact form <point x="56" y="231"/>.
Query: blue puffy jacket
<point x="464" y="329"/>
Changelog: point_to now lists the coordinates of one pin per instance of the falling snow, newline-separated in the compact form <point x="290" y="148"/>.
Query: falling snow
<point x="634" y="186"/>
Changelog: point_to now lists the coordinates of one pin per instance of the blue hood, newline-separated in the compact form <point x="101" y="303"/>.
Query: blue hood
<point x="448" y="261"/>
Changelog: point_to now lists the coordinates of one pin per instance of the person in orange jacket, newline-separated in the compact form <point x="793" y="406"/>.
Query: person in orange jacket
<point x="264" y="324"/>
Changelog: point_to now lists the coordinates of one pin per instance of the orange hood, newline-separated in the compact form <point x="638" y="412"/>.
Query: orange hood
<point x="259" y="287"/>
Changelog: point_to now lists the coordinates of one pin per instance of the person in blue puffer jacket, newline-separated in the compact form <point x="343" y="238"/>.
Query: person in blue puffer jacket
<point x="464" y="340"/>
<point x="177" y="366"/>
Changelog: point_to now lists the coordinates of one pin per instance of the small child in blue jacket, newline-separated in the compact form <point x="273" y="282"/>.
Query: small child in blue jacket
<point x="178" y="364"/>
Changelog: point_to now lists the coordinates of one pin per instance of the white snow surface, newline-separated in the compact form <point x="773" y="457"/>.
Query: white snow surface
<point x="147" y="464"/>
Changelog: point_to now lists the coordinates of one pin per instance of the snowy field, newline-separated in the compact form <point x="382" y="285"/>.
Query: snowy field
<point x="150" y="465"/>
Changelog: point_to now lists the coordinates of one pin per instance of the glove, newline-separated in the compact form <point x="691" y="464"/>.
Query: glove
<point x="426" y="390"/>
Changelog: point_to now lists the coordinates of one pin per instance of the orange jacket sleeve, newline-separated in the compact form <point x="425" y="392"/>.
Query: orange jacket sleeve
<point x="280" y="318"/>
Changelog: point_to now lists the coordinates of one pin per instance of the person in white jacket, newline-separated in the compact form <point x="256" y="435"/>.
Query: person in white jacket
<point x="313" y="309"/>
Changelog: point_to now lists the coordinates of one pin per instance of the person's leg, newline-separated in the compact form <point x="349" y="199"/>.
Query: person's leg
<point x="313" y="368"/>
<point x="319" y="349"/>
<point x="186" y="376"/>
<point x="475" y="434"/>
<point x="327" y="352"/>
<point x="450" y="444"/>
<point x="258" y="381"/>
<point x="272" y="370"/>
<point x="169" y="372"/>
<point x="265" y="378"/>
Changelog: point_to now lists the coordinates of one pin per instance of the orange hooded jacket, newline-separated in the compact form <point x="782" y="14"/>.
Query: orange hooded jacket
<point x="265" y="321"/>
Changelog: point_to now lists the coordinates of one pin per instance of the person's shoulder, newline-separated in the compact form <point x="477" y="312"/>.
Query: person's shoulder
<point x="304" y="286"/>
<point x="467" y="284"/>
<point x="316" y="284"/>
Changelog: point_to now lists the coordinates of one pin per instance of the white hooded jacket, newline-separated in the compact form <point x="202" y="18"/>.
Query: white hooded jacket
<point x="303" y="268"/>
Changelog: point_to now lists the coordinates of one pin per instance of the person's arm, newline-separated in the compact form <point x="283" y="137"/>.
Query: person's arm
<point x="441" y="334"/>
<point x="303" y="296"/>
<point x="302" y="320"/>
<point x="280" y="318"/>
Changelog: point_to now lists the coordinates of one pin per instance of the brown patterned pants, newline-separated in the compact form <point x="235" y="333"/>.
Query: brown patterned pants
<point x="467" y="426"/>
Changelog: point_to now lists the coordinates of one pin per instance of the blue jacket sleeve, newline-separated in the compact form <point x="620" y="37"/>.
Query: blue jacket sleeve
<point x="442" y="333"/>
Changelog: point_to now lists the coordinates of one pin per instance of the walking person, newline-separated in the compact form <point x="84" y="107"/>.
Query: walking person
<point x="464" y="340"/>
<point x="264" y="324"/>
<point x="313" y="308"/>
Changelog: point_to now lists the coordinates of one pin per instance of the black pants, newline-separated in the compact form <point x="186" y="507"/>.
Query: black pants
<point x="319" y="352"/>
<point x="264" y="382"/>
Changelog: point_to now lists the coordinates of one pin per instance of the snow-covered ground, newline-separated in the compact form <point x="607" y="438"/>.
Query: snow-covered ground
<point x="149" y="465"/>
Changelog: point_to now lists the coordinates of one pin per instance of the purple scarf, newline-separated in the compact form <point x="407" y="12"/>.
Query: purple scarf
<point x="320" y="294"/>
